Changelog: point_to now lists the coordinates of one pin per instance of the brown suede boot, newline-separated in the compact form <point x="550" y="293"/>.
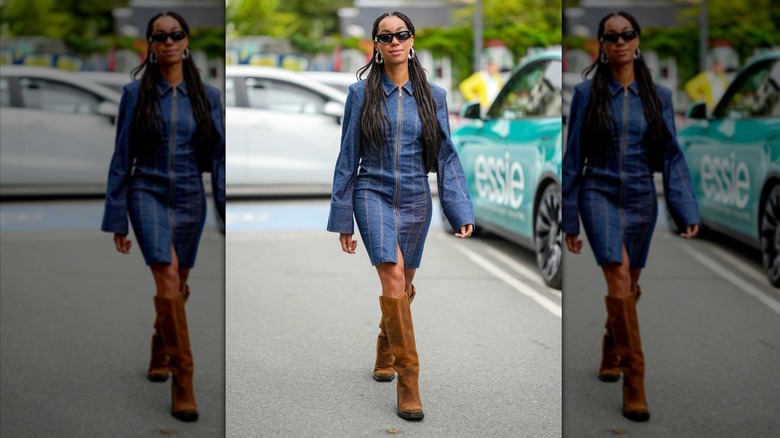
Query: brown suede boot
<point x="625" y="331"/>
<point x="383" y="367"/>
<point x="609" y="370"/>
<point x="158" y="364"/>
<point x="400" y="332"/>
<point x="172" y="320"/>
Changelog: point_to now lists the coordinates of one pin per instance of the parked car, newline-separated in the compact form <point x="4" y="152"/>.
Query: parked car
<point x="56" y="132"/>
<point x="734" y="160"/>
<point x="112" y="80"/>
<point x="283" y="132"/>
<point x="339" y="80"/>
<point x="512" y="161"/>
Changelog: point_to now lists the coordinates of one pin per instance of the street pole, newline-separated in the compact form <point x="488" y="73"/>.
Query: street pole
<point x="477" y="35"/>
<point x="703" y="40"/>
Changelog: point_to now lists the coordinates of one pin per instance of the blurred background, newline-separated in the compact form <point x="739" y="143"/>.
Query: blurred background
<point x="76" y="316"/>
<point x="709" y="303"/>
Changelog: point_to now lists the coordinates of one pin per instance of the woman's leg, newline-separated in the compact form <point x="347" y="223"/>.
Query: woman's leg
<point x="624" y="328"/>
<point x="172" y="322"/>
<point x="397" y="320"/>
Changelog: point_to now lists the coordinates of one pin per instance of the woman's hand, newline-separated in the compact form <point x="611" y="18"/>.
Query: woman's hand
<point x="347" y="244"/>
<point x="691" y="231"/>
<point x="465" y="231"/>
<point x="122" y="244"/>
<point x="573" y="243"/>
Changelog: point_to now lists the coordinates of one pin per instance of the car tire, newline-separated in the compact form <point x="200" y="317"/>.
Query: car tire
<point x="770" y="235"/>
<point x="548" y="239"/>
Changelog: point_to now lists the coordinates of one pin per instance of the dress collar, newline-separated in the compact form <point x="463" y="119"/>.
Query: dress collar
<point x="164" y="87"/>
<point x="615" y="86"/>
<point x="390" y="86"/>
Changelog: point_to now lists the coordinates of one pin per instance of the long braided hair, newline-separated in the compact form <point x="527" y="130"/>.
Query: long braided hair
<point x="598" y="120"/>
<point x="374" y="118"/>
<point x="147" y="123"/>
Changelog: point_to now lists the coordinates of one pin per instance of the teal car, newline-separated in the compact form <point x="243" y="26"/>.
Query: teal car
<point x="734" y="160"/>
<point x="512" y="161"/>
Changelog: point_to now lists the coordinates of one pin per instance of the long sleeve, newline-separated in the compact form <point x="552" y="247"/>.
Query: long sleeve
<point x="115" y="213"/>
<point x="451" y="181"/>
<point x="218" y="160"/>
<point x="678" y="187"/>
<point x="341" y="204"/>
<point x="573" y="161"/>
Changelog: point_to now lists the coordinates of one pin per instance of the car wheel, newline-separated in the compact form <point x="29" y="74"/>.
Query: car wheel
<point x="548" y="236"/>
<point x="770" y="235"/>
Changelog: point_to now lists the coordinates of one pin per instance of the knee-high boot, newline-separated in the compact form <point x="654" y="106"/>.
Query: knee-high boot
<point x="400" y="333"/>
<point x="625" y="331"/>
<point x="383" y="367"/>
<point x="158" y="364"/>
<point x="172" y="320"/>
<point x="609" y="369"/>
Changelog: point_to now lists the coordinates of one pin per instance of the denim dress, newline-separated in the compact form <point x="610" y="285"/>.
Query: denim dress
<point x="162" y="189"/>
<point x="613" y="189"/>
<point x="388" y="192"/>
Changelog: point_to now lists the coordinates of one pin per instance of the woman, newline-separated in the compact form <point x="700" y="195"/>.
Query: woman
<point x="169" y="131"/>
<point x="621" y="130"/>
<point x="395" y="132"/>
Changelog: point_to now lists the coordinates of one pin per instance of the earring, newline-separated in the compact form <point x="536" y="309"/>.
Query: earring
<point x="637" y="54"/>
<point x="604" y="58"/>
<point x="378" y="58"/>
<point x="152" y="58"/>
<point x="411" y="53"/>
<point x="186" y="53"/>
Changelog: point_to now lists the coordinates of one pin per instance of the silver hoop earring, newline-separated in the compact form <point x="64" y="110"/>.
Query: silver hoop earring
<point x="411" y="53"/>
<point x="637" y="53"/>
<point x="186" y="53"/>
<point x="378" y="58"/>
<point x="604" y="58"/>
<point x="152" y="58"/>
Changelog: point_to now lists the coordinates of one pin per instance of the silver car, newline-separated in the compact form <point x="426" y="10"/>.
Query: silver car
<point x="283" y="132"/>
<point x="56" y="132"/>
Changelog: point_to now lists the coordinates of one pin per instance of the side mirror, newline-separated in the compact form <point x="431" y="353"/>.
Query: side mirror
<point x="334" y="109"/>
<point x="696" y="110"/>
<point x="471" y="110"/>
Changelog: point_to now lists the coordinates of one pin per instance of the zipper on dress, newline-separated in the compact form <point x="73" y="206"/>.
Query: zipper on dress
<point x="397" y="164"/>
<point x="171" y="152"/>
<point x="623" y="146"/>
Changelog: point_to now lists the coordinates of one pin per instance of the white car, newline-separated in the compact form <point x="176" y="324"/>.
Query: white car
<point x="56" y="132"/>
<point x="283" y="132"/>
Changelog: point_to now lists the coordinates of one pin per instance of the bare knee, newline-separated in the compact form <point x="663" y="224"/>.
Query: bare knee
<point x="166" y="278"/>
<point x="391" y="275"/>
<point x="618" y="280"/>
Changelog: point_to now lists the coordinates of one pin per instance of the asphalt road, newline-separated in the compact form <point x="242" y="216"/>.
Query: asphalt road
<point x="302" y="323"/>
<point x="75" y="324"/>
<point x="709" y="321"/>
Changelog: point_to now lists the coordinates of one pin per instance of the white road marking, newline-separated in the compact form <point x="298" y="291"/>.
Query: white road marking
<point x="521" y="269"/>
<point x="748" y="270"/>
<point x="516" y="284"/>
<point x="734" y="279"/>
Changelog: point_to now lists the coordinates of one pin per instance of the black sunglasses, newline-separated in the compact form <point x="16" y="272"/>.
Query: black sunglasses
<point x="163" y="37"/>
<point x="612" y="38"/>
<point x="387" y="38"/>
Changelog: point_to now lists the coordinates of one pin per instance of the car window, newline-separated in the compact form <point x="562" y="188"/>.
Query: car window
<point x="46" y="95"/>
<point x="5" y="92"/>
<point x="230" y="92"/>
<point x="284" y="97"/>
<point x="757" y="94"/>
<point x="535" y="91"/>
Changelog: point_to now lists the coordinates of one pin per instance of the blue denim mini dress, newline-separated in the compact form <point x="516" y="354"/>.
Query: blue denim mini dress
<point x="388" y="193"/>
<point x="613" y="190"/>
<point x="162" y="190"/>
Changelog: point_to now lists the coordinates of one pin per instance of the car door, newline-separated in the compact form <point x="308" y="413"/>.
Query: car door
<point x="284" y="135"/>
<point x="65" y="140"/>
<point x="730" y="150"/>
<point x="11" y="119"/>
<point x="526" y="121"/>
